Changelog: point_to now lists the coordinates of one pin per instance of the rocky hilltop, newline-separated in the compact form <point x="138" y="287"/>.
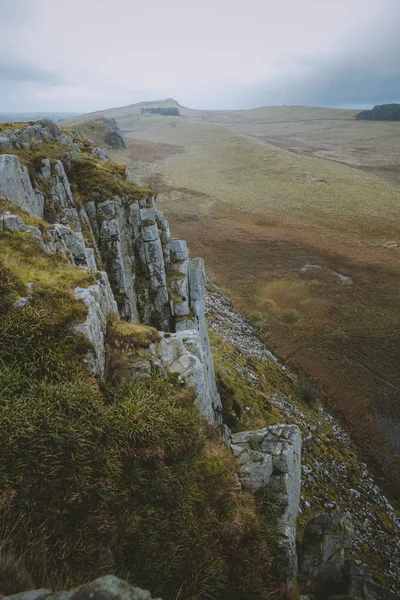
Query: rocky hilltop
<point x="126" y="421"/>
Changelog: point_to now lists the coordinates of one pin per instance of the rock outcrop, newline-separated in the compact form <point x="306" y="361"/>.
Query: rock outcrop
<point x="104" y="588"/>
<point x="321" y="555"/>
<point x="270" y="458"/>
<point x="143" y="275"/>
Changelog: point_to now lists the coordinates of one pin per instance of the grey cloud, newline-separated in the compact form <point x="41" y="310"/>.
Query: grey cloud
<point x="202" y="63"/>
<point x="359" y="78"/>
<point x="14" y="11"/>
<point x="12" y="71"/>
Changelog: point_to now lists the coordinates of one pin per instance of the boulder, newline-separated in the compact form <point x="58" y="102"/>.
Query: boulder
<point x="13" y="223"/>
<point x="100" y="153"/>
<point x="104" y="588"/>
<point x="321" y="553"/>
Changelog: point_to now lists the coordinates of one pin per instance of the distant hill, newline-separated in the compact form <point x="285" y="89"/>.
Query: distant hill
<point x="381" y="112"/>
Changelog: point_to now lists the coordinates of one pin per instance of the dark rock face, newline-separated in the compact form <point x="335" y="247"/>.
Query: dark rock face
<point x="111" y="123"/>
<point x="321" y="554"/>
<point x="360" y="584"/>
<point x="114" y="140"/>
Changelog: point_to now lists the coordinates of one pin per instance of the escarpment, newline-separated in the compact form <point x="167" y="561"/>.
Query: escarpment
<point x="112" y="227"/>
<point x="126" y="299"/>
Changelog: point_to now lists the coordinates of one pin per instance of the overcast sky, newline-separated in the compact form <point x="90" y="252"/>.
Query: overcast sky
<point x="86" y="55"/>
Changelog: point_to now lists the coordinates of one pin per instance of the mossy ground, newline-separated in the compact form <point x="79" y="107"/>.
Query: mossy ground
<point x="10" y="126"/>
<point x="28" y="219"/>
<point x="136" y="334"/>
<point x="90" y="177"/>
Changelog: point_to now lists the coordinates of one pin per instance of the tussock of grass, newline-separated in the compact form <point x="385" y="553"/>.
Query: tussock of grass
<point x="28" y="219"/>
<point x="53" y="278"/>
<point x="135" y="334"/>
<point x="102" y="180"/>
<point x="14" y="577"/>
<point x="10" y="126"/>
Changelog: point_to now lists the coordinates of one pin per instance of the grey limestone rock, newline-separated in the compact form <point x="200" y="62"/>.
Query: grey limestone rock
<point x="181" y="353"/>
<point x="13" y="223"/>
<point x="157" y="275"/>
<point x="90" y="259"/>
<point x="108" y="209"/>
<point x="22" y="303"/>
<point x="162" y="222"/>
<point x="322" y="549"/>
<point x="104" y="588"/>
<point x="153" y="252"/>
<point x="100" y="302"/>
<point x="32" y="134"/>
<point x="68" y="242"/>
<point x="5" y="143"/>
<point x="31" y="595"/>
<point x="178" y="250"/>
<point x="147" y="215"/>
<point x="150" y="233"/>
<point x="100" y="153"/>
<point x="62" y="201"/>
<point x="270" y="458"/>
<point x="360" y="584"/>
<point x="66" y="139"/>
<point x="16" y="185"/>
<point x="255" y="468"/>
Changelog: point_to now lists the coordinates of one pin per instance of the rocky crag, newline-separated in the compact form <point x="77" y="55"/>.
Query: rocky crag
<point x="146" y="280"/>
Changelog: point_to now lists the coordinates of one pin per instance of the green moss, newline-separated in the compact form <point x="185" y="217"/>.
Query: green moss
<point x="54" y="279"/>
<point x="133" y="334"/>
<point x="290" y="316"/>
<point x="175" y="276"/>
<point x="89" y="176"/>
<point x="246" y="406"/>
<point x="147" y="222"/>
<point x="11" y="126"/>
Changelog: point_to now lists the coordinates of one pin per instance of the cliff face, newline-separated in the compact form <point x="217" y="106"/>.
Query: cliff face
<point x="143" y="274"/>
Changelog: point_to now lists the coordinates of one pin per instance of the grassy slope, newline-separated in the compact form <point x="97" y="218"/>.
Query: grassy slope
<point x="258" y="214"/>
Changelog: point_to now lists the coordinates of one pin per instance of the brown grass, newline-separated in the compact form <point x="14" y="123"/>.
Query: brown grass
<point x="346" y="335"/>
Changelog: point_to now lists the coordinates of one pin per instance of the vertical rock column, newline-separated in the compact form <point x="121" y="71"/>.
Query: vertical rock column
<point x="270" y="458"/>
<point x="116" y="249"/>
<point x="178" y="285"/>
<point x="160" y="312"/>
<point x="61" y="207"/>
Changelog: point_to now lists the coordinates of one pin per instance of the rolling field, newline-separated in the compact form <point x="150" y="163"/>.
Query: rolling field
<point x="304" y="244"/>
